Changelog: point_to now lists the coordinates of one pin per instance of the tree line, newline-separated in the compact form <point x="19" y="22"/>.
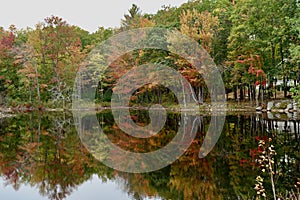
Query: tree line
<point x="255" y="44"/>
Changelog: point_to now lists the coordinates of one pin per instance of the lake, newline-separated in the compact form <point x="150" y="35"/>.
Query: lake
<point x="42" y="156"/>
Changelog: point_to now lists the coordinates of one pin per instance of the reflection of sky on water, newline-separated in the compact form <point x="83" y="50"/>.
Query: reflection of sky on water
<point x="92" y="189"/>
<point x="96" y="189"/>
<point x="24" y="192"/>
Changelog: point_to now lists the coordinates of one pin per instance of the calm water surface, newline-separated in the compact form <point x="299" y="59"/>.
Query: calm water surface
<point x="42" y="157"/>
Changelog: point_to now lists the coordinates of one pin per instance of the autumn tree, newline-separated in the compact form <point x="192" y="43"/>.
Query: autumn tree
<point x="202" y="27"/>
<point x="29" y="72"/>
<point x="59" y="53"/>
<point x="8" y="76"/>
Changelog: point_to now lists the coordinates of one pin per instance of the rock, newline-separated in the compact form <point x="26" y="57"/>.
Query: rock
<point x="281" y="111"/>
<point x="295" y="105"/>
<point x="277" y="105"/>
<point x="277" y="115"/>
<point x="289" y="107"/>
<point x="270" y="115"/>
<point x="270" y="105"/>
<point x="259" y="108"/>
<point x="295" y="116"/>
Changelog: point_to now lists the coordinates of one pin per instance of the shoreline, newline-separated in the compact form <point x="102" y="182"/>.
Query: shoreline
<point x="8" y="112"/>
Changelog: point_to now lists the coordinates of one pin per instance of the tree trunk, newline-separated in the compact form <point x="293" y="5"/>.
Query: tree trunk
<point x="241" y="93"/>
<point x="200" y="95"/>
<point x="37" y="81"/>
<point x="183" y="93"/>
<point x="284" y="71"/>
<point x="235" y="94"/>
<point x="250" y="94"/>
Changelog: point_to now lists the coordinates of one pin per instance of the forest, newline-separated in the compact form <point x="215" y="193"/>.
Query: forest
<point x="255" y="45"/>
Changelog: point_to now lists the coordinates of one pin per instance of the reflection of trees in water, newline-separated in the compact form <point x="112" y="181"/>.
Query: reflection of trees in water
<point x="286" y="137"/>
<point x="46" y="152"/>
<point x="240" y="136"/>
<point x="229" y="171"/>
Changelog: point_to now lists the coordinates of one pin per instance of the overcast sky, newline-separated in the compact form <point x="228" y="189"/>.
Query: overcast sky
<point x="88" y="14"/>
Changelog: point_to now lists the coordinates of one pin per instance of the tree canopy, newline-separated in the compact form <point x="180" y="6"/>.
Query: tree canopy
<point x="254" y="44"/>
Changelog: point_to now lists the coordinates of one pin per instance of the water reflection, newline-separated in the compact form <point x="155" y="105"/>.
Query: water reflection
<point x="43" y="151"/>
<point x="91" y="189"/>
